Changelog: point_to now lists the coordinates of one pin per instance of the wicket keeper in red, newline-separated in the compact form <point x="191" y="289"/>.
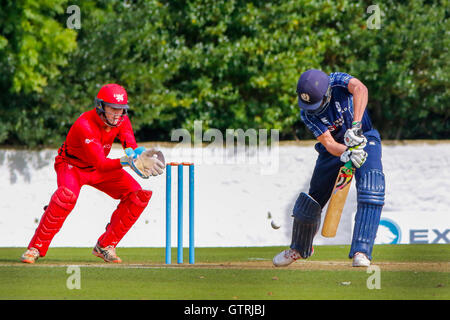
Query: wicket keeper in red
<point x="82" y="160"/>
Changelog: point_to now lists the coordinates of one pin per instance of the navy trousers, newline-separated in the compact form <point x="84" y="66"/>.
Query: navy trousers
<point x="324" y="176"/>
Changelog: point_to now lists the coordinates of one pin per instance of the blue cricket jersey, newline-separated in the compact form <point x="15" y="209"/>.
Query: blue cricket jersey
<point x="338" y="116"/>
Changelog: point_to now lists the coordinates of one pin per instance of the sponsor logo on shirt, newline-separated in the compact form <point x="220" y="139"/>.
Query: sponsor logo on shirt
<point x="338" y="123"/>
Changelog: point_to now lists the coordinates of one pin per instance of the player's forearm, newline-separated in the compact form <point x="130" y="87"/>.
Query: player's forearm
<point x="97" y="158"/>
<point x="127" y="139"/>
<point x="360" y="98"/>
<point x="336" y="149"/>
<point x="108" y="165"/>
<point x="126" y="135"/>
<point x="333" y="147"/>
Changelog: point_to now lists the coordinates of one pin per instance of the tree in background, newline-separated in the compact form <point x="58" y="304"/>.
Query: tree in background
<point x="404" y="63"/>
<point x="233" y="64"/>
<point x="33" y="48"/>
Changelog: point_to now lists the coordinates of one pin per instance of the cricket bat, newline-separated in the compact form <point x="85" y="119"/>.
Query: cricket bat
<point x="337" y="200"/>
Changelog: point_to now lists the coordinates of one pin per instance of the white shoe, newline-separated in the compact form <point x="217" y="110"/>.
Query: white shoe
<point x="360" y="260"/>
<point x="30" y="256"/>
<point x="286" y="257"/>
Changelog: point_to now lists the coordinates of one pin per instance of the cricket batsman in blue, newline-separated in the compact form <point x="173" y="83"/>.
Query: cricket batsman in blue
<point x="333" y="107"/>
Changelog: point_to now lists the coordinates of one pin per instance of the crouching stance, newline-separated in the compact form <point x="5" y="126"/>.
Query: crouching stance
<point x="334" y="109"/>
<point x="82" y="160"/>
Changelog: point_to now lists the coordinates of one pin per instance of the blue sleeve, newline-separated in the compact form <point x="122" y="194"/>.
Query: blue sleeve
<point x="340" y="79"/>
<point x="313" y="124"/>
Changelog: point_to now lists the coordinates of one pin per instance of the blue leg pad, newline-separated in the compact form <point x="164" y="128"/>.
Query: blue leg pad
<point x="306" y="214"/>
<point x="371" y="190"/>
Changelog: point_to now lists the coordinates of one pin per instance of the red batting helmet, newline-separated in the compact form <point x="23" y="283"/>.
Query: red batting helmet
<point x="114" y="96"/>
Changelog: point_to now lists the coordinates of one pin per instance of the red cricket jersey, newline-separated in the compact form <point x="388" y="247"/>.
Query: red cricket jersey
<point x="88" y="143"/>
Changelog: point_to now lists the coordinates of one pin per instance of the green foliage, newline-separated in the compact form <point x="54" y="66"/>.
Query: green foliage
<point x="233" y="64"/>
<point x="33" y="48"/>
<point x="405" y="65"/>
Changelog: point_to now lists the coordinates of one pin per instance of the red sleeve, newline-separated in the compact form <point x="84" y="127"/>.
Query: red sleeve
<point x="126" y="134"/>
<point x="93" y="151"/>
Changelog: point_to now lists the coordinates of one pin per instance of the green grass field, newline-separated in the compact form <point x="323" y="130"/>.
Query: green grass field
<point x="406" y="272"/>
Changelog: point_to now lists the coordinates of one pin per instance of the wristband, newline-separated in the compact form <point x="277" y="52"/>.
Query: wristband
<point x="357" y="124"/>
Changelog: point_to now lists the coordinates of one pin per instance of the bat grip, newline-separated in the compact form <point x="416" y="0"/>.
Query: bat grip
<point x="348" y="165"/>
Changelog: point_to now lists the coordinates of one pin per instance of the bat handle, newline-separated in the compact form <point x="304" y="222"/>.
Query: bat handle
<point x="348" y="164"/>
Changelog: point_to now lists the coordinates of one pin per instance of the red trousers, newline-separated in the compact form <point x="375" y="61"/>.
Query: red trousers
<point x="116" y="183"/>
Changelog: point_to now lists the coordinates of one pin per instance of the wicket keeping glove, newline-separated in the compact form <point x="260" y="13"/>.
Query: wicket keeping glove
<point x="144" y="162"/>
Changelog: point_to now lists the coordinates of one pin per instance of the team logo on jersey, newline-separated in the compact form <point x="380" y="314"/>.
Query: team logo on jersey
<point x="305" y="97"/>
<point x="119" y="97"/>
<point x="87" y="141"/>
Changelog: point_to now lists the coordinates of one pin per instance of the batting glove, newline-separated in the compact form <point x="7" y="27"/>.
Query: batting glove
<point x="354" y="136"/>
<point x="356" y="154"/>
